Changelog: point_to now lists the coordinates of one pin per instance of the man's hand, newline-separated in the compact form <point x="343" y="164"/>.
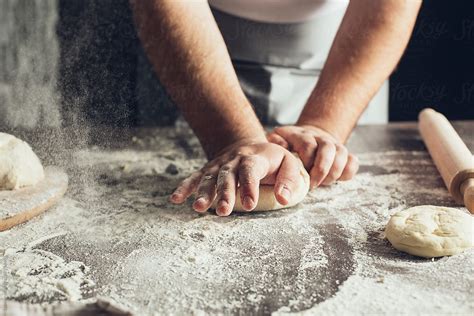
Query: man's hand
<point x="242" y="166"/>
<point x="325" y="159"/>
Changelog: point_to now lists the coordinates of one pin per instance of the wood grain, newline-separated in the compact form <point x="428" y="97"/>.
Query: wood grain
<point x="450" y="155"/>
<point x="19" y="206"/>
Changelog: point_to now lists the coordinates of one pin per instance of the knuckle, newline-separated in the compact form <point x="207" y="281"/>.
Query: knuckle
<point x="224" y="186"/>
<point x="234" y="157"/>
<point x="208" y="165"/>
<point x="321" y="140"/>
<point x="330" y="146"/>
<point x="320" y="168"/>
<point x="306" y="147"/>
<point x="353" y="163"/>
<point x="272" y="136"/>
<point x="225" y="195"/>
<point x="289" y="182"/>
<point x="353" y="168"/>
<point x="186" y="183"/>
<point x="326" y="159"/>
<point x="339" y="162"/>
<point x="325" y="142"/>
<point x="225" y="190"/>
<point x="226" y="168"/>
<point x="279" y="129"/>
<point x="244" y="158"/>
<point x="208" y="177"/>
<point x="179" y="190"/>
<point x="222" y="182"/>
<point x="247" y="181"/>
<point x="201" y="194"/>
<point x="246" y="171"/>
<point x="328" y="181"/>
<point x="341" y="149"/>
<point x="248" y="164"/>
<point x="332" y="176"/>
<point x="354" y="159"/>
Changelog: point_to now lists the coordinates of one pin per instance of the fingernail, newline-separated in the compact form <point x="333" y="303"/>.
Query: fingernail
<point x="200" y="201"/>
<point x="285" y="193"/>
<point x="248" y="202"/>
<point x="222" y="208"/>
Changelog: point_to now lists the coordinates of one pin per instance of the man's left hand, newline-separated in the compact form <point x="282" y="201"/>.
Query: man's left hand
<point x="326" y="159"/>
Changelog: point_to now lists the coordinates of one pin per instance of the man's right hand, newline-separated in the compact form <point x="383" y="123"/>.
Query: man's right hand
<point x="242" y="166"/>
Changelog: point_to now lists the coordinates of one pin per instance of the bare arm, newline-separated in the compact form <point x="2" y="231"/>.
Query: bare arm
<point x="189" y="55"/>
<point x="367" y="47"/>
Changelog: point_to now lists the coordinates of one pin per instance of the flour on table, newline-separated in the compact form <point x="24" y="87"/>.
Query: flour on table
<point x="326" y="255"/>
<point x="39" y="276"/>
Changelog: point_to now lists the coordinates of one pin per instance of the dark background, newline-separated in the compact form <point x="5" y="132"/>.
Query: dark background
<point x="104" y="72"/>
<point x="436" y="70"/>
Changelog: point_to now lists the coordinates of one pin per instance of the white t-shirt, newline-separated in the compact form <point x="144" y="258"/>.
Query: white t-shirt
<point x="279" y="11"/>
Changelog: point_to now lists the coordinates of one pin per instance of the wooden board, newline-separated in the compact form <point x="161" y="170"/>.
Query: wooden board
<point x="19" y="206"/>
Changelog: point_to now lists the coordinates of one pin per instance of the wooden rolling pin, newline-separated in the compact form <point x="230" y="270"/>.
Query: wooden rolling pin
<point x="450" y="155"/>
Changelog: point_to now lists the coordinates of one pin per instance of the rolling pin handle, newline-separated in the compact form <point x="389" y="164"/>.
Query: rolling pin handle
<point x="467" y="190"/>
<point x="452" y="157"/>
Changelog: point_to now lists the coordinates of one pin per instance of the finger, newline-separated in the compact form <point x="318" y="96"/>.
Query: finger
<point x="285" y="131"/>
<point x="287" y="134"/>
<point x="305" y="145"/>
<point x="206" y="191"/>
<point x="338" y="165"/>
<point x="287" y="177"/>
<point x="277" y="139"/>
<point x="251" y="170"/>
<point x="186" y="188"/>
<point x="352" y="166"/>
<point x="226" y="186"/>
<point x="323" y="162"/>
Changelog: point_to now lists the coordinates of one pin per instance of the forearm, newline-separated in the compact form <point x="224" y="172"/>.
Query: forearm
<point x="367" y="47"/>
<point x="189" y="55"/>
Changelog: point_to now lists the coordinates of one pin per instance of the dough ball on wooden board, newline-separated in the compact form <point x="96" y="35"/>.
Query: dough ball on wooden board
<point x="19" y="165"/>
<point x="431" y="231"/>
<point x="267" y="200"/>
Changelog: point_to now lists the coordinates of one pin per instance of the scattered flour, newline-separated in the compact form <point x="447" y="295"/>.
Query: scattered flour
<point x="326" y="256"/>
<point x="38" y="276"/>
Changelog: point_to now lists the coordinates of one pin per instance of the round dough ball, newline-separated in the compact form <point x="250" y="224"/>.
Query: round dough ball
<point x="431" y="231"/>
<point x="267" y="200"/>
<point x="19" y="165"/>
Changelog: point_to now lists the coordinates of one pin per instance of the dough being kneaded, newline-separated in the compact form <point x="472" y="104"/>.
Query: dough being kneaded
<point x="431" y="231"/>
<point x="267" y="200"/>
<point x="19" y="165"/>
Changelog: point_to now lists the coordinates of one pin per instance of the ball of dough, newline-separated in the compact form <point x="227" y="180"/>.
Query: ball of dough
<point x="431" y="231"/>
<point x="267" y="200"/>
<point x="19" y="165"/>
